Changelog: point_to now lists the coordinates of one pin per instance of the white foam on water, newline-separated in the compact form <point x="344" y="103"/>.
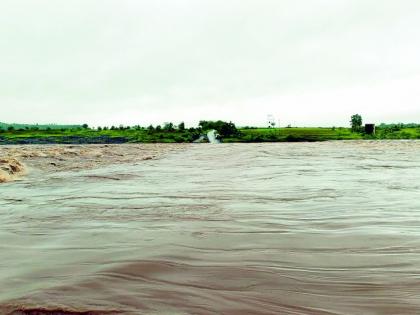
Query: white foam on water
<point x="212" y="136"/>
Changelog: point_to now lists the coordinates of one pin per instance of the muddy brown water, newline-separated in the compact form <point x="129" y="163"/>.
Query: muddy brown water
<point x="321" y="228"/>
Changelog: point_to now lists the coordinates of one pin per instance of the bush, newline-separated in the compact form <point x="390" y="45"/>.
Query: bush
<point x="405" y="135"/>
<point x="179" y="139"/>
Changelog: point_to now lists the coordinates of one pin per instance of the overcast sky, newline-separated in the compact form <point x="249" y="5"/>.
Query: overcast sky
<point x="307" y="62"/>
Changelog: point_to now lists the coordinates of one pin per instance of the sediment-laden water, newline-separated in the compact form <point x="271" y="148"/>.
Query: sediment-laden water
<point x="320" y="228"/>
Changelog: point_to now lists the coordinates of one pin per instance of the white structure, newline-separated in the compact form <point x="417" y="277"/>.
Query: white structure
<point x="271" y="121"/>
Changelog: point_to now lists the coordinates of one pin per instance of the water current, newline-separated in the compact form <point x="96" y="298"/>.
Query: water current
<point x="302" y="228"/>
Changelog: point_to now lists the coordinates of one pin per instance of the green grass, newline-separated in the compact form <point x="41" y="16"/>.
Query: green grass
<point x="43" y="127"/>
<point x="294" y="135"/>
<point x="403" y="133"/>
<point x="80" y="135"/>
<point x="93" y="136"/>
<point x="320" y="134"/>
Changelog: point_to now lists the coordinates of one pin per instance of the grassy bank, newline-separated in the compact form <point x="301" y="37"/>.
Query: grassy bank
<point x="143" y="135"/>
<point x="319" y="134"/>
<point x="81" y="136"/>
<point x="294" y="135"/>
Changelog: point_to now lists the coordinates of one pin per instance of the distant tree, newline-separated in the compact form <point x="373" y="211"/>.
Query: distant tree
<point x="225" y="129"/>
<point x="168" y="127"/>
<point x="105" y="128"/>
<point x="158" y="128"/>
<point x="112" y="127"/>
<point x="181" y="126"/>
<point x="85" y="126"/>
<point x="228" y="129"/>
<point x="10" y="128"/>
<point x="99" y="128"/>
<point x="205" y="125"/>
<point x="151" y="128"/>
<point x="356" y="123"/>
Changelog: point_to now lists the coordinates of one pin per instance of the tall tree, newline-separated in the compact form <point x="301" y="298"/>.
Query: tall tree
<point x="168" y="127"/>
<point x="356" y="122"/>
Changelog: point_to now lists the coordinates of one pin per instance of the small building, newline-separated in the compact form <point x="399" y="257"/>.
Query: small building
<point x="370" y="129"/>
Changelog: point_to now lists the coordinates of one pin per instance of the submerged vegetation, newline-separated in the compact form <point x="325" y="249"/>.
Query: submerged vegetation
<point x="171" y="133"/>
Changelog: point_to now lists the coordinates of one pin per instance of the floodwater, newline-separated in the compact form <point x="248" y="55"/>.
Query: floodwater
<point x="320" y="228"/>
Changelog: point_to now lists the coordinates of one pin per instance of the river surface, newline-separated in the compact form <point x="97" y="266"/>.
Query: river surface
<point x="320" y="228"/>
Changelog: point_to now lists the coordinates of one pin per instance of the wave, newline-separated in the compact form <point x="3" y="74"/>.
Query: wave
<point x="11" y="169"/>
<point x="55" y="158"/>
<point x="58" y="311"/>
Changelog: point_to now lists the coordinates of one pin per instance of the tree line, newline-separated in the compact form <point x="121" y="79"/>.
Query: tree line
<point x="225" y="129"/>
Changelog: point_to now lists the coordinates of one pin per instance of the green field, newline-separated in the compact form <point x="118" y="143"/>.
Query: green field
<point x="294" y="135"/>
<point x="42" y="127"/>
<point x="320" y="134"/>
<point x="143" y="135"/>
<point x="80" y="135"/>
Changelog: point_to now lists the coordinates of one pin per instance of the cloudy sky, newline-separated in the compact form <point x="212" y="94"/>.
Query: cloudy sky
<point x="307" y="62"/>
